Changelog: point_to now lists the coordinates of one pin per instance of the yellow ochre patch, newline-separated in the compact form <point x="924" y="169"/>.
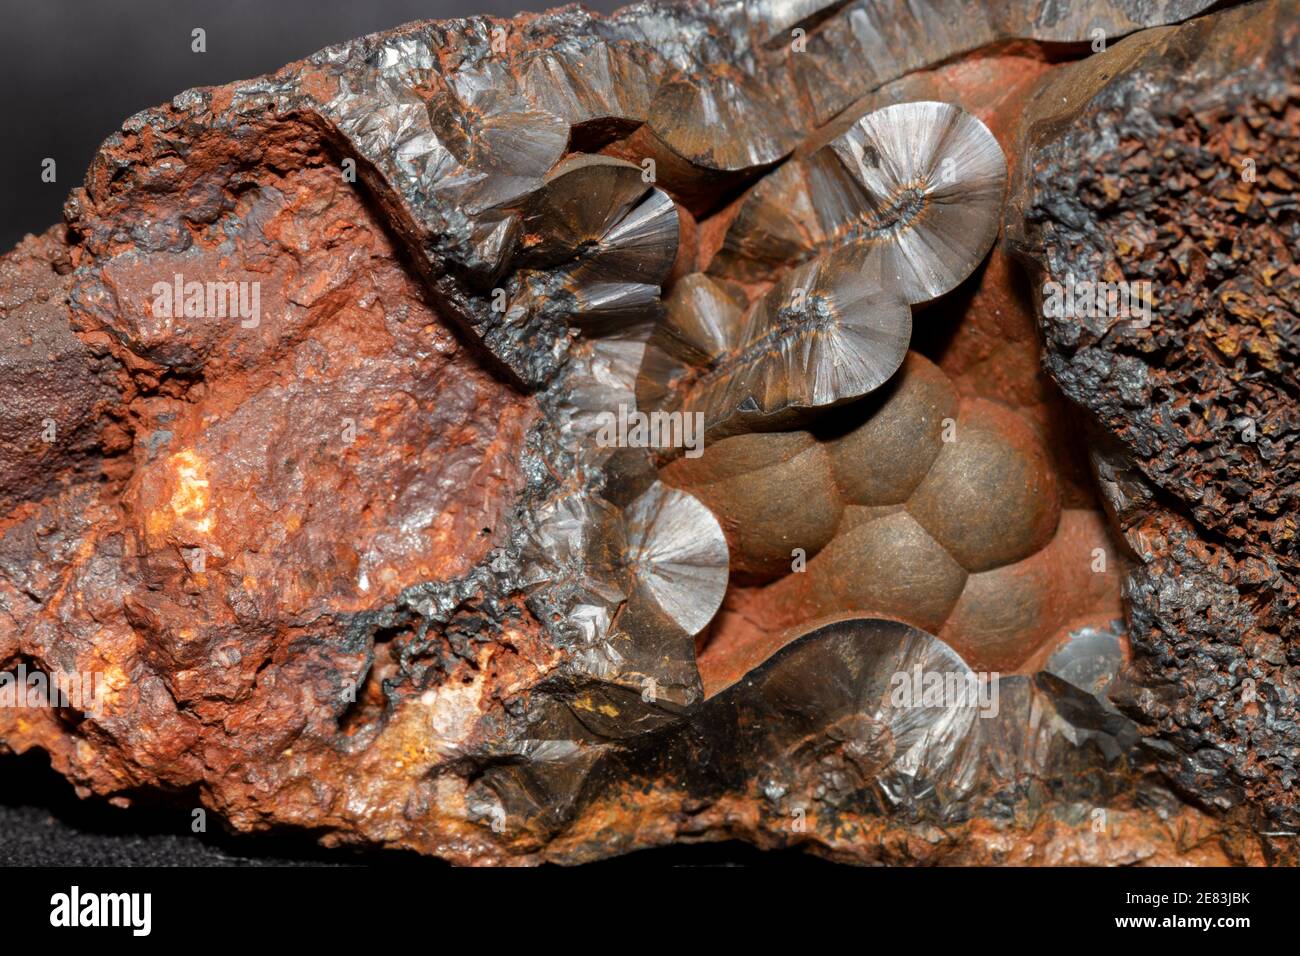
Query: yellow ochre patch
<point x="189" y="501"/>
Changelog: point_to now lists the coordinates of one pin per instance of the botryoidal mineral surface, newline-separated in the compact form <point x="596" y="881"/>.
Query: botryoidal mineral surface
<point x="324" y="457"/>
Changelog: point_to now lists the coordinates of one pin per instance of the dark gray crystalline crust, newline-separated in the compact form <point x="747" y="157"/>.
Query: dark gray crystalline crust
<point x="870" y="42"/>
<point x="1179" y="171"/>
<point x="819" y="730"/>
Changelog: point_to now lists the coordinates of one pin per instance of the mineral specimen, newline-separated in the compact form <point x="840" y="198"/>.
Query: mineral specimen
<point x="538" y="439"/>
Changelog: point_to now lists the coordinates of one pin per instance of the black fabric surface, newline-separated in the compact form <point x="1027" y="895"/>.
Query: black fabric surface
<point x="44" y="823"/>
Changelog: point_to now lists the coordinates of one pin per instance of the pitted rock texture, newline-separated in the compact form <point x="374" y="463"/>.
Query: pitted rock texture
<point x="349" y="556"/>
<point x="1172" y="159"/>
<point x="57" y="390"/>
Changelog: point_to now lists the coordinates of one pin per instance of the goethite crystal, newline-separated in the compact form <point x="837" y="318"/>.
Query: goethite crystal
<point x="641" y="437"/>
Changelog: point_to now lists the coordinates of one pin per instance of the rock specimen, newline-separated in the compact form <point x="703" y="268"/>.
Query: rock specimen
<point x="540" y="439"/>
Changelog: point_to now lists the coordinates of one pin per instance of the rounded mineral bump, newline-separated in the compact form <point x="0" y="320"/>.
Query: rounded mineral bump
<point x="887" y="566"/>
<point x="1005" y="614"/>
<point x="720" y="119"/>
<point x="884" y="458"/>
<point x="772" y="493"/>
<point x="990" y="498"/>
<point x="927" y="180"/>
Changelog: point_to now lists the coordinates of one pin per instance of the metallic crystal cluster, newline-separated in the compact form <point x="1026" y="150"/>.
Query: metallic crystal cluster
<point x="372" y="564"/>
